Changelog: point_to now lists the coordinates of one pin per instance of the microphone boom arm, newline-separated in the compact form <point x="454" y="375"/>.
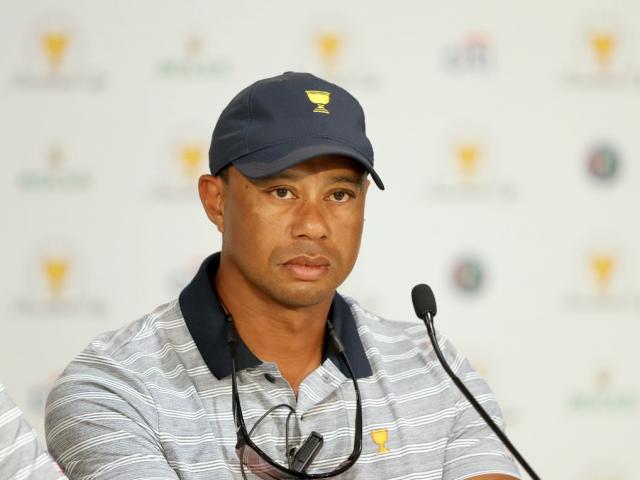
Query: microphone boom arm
<point x="428" y="320"/>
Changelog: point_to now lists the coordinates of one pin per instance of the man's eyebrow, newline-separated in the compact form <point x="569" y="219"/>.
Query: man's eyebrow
<point x="356" y="179"/>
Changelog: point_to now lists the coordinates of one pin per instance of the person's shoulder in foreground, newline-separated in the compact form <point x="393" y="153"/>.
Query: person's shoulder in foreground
<point x="261" y="368"/>
<point x="21" y="454"/>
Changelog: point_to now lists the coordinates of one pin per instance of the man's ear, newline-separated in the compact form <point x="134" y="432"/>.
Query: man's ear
<point x="212" y="190"/>
<point x="365" y="185"/>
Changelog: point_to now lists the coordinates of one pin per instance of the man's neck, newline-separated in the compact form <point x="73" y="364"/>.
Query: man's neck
<point x="292" y="338"/>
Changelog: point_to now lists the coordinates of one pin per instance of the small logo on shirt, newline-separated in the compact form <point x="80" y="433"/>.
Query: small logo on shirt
<point x="380" y="438"/>
<point x="320" y="98"/>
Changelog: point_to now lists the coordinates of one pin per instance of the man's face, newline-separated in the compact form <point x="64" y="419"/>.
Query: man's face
<point x="294" y="237"/>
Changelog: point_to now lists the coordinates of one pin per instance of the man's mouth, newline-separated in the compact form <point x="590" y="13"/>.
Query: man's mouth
<point x="305" y="267"/>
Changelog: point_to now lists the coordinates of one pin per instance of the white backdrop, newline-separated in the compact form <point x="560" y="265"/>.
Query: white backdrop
<point x="506" y="133"/>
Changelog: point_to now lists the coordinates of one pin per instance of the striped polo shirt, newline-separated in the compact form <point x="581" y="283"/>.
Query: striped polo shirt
<point x="21" y="454"/>
<point x="153" y="400"/>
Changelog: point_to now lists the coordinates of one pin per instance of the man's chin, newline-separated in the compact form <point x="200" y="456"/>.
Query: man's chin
<point x="304" y="294"/>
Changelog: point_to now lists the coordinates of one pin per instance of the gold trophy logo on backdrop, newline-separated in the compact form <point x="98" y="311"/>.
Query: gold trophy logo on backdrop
<point x="59" y="284"/>
<point x="55" y="270"/>
<point x="603" y="44"/>
<point x="467" y="155"/>
<point x="57" y="55"/>
<point x="191" y="156"/>
<point x="603" y="266"/>
<point x="55" y="45"/>
<point x="329" y="45"/>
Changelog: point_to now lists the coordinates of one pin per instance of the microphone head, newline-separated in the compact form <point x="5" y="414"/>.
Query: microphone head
<point x="423" y="300"/>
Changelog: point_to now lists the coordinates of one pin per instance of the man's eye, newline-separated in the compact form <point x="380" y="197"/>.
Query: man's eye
<point x="340" y="197"/>
<point x="282" y="193"/>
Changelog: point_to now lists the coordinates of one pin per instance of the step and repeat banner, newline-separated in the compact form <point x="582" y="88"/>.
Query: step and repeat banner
<point x="507" y="134"/>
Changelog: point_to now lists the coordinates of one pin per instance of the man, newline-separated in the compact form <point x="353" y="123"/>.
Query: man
<point x="260" y="359"/>
<point x="21" y="454"/>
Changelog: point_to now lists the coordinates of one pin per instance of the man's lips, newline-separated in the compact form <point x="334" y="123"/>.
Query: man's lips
<point x="305" y="267"/>
<point x="315" y="261"/>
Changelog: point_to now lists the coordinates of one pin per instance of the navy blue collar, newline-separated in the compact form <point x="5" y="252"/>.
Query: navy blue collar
<point x="207" y="324"/>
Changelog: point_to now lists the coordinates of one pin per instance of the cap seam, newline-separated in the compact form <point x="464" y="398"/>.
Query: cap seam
<point x="314" y="135"/>
<point x="246" y="135"/>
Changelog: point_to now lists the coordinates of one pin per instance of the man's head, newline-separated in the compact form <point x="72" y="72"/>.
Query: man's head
<point x="288" y="187"/>
<point x="281" y="121"/>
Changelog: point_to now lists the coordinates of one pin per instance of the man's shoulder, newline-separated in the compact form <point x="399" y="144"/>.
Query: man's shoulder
<point x="126" y="363"/>
<point x="387" y="331"/>
<point x="163" y="325"/>
<point x="400" y="341"/>
<point x="153" y="343"/>
<point x="110" y="393"/>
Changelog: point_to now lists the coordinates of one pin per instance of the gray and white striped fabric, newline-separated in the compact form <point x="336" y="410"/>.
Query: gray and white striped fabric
<point x="21" y="454"/>
<point x="141" y="403"/>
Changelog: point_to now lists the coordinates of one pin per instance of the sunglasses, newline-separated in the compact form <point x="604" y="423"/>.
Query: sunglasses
<point x="261" y="464"/>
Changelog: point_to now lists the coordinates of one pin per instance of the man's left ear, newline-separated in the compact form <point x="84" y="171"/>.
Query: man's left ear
<point x="365" y="186"/>
<point x="211" y="189"/>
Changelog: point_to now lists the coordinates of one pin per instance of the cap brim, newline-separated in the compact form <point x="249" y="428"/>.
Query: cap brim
<point x="274" y="159"/>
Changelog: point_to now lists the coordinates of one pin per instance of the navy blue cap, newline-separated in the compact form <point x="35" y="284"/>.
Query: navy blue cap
<point x="281" y="121"/>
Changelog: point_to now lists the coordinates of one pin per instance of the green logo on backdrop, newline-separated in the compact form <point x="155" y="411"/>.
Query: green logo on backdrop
<point x="193" y="62"/>
<point x="56" y="175"/>
<point x="604" y="396"/>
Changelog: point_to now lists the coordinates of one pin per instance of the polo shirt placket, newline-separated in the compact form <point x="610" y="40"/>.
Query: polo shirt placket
<point x="317" y="392"/>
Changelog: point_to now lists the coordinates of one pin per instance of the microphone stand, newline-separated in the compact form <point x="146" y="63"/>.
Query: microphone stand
<point x="428" y="321"/>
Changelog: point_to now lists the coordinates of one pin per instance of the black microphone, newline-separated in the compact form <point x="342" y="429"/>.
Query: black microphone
<point x="424" y="303"/>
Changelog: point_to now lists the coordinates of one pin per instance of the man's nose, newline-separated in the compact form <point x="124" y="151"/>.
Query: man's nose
<point x="310" y="221"/>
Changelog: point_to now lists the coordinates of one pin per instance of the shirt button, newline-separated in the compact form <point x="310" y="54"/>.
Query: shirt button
<point x="270" y="378"/>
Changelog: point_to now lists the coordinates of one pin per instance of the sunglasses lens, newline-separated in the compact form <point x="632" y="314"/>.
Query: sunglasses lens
<point x="258" y="466"/>
<point x="263" y="469"/>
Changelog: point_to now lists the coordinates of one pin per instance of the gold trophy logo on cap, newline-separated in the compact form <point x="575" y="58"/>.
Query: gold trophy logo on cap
<point x="320" y="98"/>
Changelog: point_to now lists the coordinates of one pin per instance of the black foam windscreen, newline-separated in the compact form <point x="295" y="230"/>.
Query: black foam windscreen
<point x="423" y="300"/>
